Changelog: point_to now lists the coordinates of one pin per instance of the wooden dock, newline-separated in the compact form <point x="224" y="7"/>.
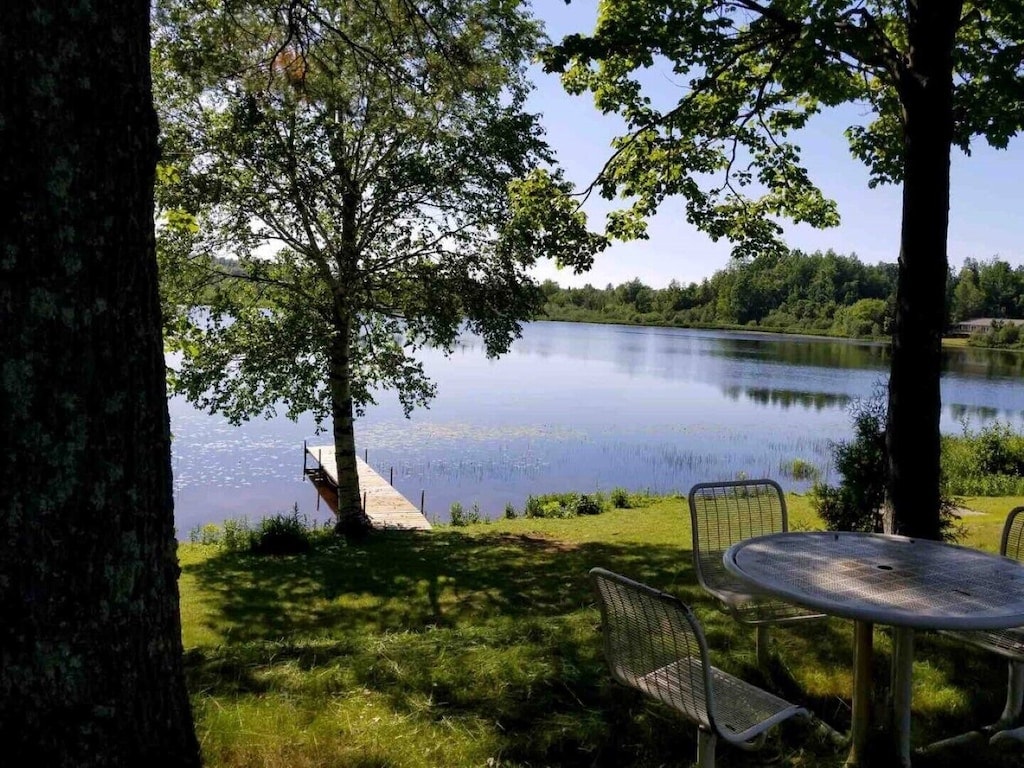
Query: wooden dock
<point x="386" y="507"/>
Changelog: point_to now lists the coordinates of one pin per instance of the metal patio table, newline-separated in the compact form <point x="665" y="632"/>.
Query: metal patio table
<point x="873" y="578"/>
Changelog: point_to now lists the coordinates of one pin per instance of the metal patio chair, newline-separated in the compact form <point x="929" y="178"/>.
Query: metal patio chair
<point x="654" y="643"/>
<point x="1008" y="643"/>
<point x="721" y="514"/>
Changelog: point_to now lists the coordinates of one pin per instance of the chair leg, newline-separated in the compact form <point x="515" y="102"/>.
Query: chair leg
<point x="761" y="643"/>
<point x="1014" y="697"/>
<point x="1007" y="727"/>
<point x="705" y="748"/>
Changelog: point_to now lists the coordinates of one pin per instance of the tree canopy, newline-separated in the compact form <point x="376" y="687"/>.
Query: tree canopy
<point x="384" y="152"/>
<point x="752" y="74"/>
<point x="815" y="293"/>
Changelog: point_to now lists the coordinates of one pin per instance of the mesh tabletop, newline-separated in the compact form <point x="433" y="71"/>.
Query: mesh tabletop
<point x="885" y="579"/>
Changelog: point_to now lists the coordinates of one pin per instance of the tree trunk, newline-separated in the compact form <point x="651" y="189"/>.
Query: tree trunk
<point x="352" y="520"/>
<point x="912" y="434"/>
<point x="91" y="667"/>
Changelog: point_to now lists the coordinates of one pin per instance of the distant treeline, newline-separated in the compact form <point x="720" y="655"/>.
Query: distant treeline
<point x="822" y="293"/>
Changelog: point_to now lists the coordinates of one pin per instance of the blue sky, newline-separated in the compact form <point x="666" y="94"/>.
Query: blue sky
<point x="985" y="204"/>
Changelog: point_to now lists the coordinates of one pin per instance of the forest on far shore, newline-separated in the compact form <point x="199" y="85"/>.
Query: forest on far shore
<point x="821" y="293"/>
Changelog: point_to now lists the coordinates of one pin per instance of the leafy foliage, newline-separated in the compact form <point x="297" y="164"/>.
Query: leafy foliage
<point x="564" y="505"/>
<point x="751" y="75"/>
<point x="988" y="462"/>
<point x="280" y="534"/>
<point x="619" y="498"/>
<point x="858" y="502"/>
<point x="460" y="517"/>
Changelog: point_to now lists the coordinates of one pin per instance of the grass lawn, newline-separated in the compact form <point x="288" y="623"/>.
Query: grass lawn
<point x="479" y="646"/>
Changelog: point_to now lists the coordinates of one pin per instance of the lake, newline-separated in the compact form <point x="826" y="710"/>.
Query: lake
<point x="583" y="407"/>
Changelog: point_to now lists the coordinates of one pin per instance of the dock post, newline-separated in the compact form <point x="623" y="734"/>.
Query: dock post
<point x="391" y="478"/>
<point x="366" y="455"/>
<point x="364" y="502"/>
<point x="422" y="497"/>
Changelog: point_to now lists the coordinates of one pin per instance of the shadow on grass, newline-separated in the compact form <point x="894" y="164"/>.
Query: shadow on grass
<point x="498" y="632"/>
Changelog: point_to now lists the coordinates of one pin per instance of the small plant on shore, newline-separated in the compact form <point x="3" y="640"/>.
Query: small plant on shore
<point x="457" y="513"/>
<point x="510" y="511"/>
<point x="587" y="505"/>
<point x="619" y="498"/>
<point x="207" y="534"/>
<point x="282" y="534"/>
<point x="237" y="534"/>
<point x="563" y="505"/>
<point x="460" y="517"/>
<point x="798" y="469"/>
<point x="475" y="515"/>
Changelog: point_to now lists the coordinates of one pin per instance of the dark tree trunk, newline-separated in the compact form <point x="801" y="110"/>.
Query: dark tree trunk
<point x="912" y="435"/>
<point x="351" y="518"/>
<point x="90" y="636"/>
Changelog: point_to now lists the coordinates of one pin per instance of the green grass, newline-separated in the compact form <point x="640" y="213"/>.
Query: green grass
<point x="479" y="646"/>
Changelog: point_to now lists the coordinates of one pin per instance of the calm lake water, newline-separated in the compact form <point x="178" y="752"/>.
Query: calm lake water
<point x="583" y="407"/>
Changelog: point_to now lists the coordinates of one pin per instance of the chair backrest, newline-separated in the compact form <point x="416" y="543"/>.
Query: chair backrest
<point x="723" y="513"/>
<point x="1012" y="544"/>
<point x="652" y="642"/>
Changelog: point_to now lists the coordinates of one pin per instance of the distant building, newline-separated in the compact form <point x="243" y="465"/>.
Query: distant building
<point x="981" y="324"/>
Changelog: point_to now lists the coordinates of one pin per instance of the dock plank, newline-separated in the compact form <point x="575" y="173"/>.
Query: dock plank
<point x="385" y="506"/>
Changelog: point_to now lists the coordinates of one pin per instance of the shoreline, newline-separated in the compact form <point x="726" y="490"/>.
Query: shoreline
<point x="948" y="342"/>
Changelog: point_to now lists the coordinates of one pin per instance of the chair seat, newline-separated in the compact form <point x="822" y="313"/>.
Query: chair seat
<point x="742" y="711"/>
<point x="750" y="607"/>
<point x="1008" y="643"/>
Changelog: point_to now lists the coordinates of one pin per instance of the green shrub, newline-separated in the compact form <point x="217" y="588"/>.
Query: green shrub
<point x="857" y="503"/>
<point x="510" y="511"/>
<point x="619" y="498"/>
<point x="532" y="507"/>
<point x="238" y="534"/>
<point x="799" y="469"/>
<point x="475" y="515"/>
<point x="207" y="534"/>
<point x="553" y="508"/>
<point x="563" y="505"/>
<point x="282" y="534"/>
<point x="587" y="505"/>
<point x="457" y="513"/>
<point x="986" y="463"/>
<point x="460" y="517"/>
<point x="1008" y="335"/>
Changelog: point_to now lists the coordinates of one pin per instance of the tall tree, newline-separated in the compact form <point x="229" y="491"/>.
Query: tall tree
<point x="751" y="73"/>
<point x="383" y="149"/>
<point x="90" y="637"/>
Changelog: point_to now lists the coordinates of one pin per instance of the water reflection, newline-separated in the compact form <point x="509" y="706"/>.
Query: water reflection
<point x="980" y="415"/>
<point x="787" y="398"/>
<point x="803" y="351"/>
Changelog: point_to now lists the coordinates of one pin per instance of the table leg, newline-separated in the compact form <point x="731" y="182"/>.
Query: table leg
<point x="863" y="651"/>
<point x="902" y="689"/>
